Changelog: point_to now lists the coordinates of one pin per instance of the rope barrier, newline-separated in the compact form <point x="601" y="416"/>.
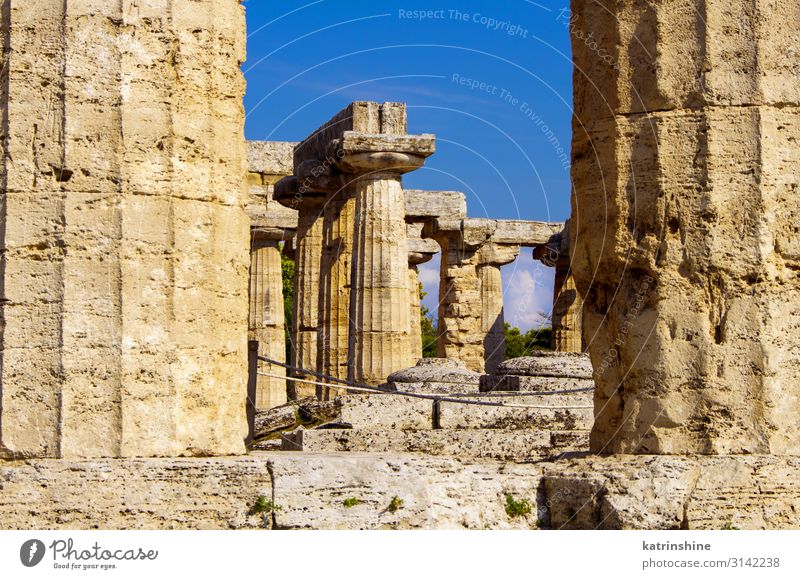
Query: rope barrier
<point x="498" y="394"/>
<point x="372" y="390"/>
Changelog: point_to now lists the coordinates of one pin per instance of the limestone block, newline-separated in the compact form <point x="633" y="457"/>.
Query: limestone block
<point x="385" y="411"/>
<point x="436" y="493"/>
<point x="510" y="445"/>
<point x="197" y="493"/>
<point x="428" y="205"/>
<point x="672" y="492"/>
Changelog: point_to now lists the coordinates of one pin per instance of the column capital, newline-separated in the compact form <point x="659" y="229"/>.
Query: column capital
<point x="497" y="254"/>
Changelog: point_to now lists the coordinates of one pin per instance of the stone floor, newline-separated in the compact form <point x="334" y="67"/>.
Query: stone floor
<point x="293" y="490"/>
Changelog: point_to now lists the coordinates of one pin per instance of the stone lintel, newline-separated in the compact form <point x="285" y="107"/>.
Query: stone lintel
<point x="270" y="157"/>
<point x="428" y="205"/>
<point x="474" y="232"/>
<point x="525" y="233"/>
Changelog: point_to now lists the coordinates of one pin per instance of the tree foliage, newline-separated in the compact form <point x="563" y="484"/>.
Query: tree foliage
<point x="287" y="271"/>
<point x="519" y="344"/>
<point x="430" y="334"/>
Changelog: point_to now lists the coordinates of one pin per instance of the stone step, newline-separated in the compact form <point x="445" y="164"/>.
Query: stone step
<point x="516" y="445"/>
<point x="381" y="411"/>
<point x="515" y="383"/>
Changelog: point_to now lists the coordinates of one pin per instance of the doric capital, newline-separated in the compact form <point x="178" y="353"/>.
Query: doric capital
<point x="419" y="250"/>
<point x="554" y="253"/>
<point x="497" y="254"/>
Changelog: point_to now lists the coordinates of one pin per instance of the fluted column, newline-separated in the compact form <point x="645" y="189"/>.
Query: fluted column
<point x="419" y="251"/>
<point x="307" y="287"/>
<point x="267" y="319"/>
<point x="333" y="340"/>
<point x="125" y="241"/>
<point x="381" y="308"/>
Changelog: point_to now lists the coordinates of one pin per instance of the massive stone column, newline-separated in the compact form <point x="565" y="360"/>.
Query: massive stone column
<point x="357" y="158"/>
<point x="567" y="312"/>
<point x="685" y="246"/>
<point x="333" y="342"/>
<point x="308" y="263"/>
<point x="124" y="235"/>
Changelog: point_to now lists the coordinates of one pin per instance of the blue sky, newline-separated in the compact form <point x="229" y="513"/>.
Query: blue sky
<point x="492" y="80"/>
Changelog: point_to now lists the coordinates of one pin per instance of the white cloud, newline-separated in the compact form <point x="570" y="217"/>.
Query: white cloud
<point x="527" y="291"/>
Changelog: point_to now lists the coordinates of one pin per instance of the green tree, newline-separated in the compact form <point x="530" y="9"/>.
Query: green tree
<point x="430" y="335"/>
<point x="519" y="344"/>
<point x="287" y="271"/>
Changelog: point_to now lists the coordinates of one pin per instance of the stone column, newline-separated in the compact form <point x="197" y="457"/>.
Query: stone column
<point x="419" y="251"/>
<point x="306" y="318"/>
<point x="124" y="232"/>
<point x="491" y="258"/>
<point x="567" y="311"/>
<point x="357" y="158"/>
<point x="685" y="155"/>
<point x="333" y="342"/>
<point x="380" y="306"/>
<point x="460" y="313"/>
<point x="267" y="316"/>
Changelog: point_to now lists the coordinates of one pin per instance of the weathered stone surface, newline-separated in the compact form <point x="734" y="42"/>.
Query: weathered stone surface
<point x="271" y="157"/>
<point x="577" y="416"/>
<point x="428" y="205"/>
<point x="555" y="364"/>
<point x="435" y="376"/>
<point x="749" y="492"/>
<point x="672" y="492"/>
<point x="689" y="144"/>
<point x="267" y="321"/>
<point x="385" y="411"/>
<point x="124" y="232"/>
<point x="514" y="383"/>
<point x="207" y="493"/>
<point x="436" y="493"/>
<point x="511" y="445"/>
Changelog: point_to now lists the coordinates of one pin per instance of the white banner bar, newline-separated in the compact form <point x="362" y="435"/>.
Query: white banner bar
<point x="415" y="554"/>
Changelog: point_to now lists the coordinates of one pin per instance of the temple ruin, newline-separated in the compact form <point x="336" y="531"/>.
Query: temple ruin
<point x="142" y="241"/>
